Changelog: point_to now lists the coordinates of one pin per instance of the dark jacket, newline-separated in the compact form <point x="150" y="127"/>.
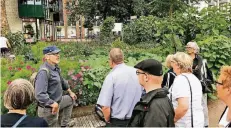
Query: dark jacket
<point x="49" y="89"/>
<point x="197" y="65"/>
<point x="168" y="79"/>
<point x="154" y="110"/>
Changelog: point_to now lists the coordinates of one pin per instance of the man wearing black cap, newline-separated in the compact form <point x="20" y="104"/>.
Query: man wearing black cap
<point x="49" y="86"/>
<point x="154" y="109"/>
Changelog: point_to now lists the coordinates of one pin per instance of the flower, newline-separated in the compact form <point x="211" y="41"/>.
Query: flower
<point x="9" y="82"/>
<point x="74" y="77"/>
<point x="78" y="75"/>
<point x="10" y="68"/>
<point x="21" y="63"/>
<point x="28" y="67"/>
<point x="70" y="72"/>
<point x="19" y="69"/>
<point x="33" y="69"/>
<point x="86" y="67"/>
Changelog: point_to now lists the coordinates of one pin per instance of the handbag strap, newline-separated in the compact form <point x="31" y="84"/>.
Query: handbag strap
<point x="191" y="100"/>
<point x="168" y="79"/>
<point x="19" y="121"/>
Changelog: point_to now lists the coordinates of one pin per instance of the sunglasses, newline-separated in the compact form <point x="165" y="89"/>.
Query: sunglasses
<point x="137" y="72"/>
<point x="215" y="82"/>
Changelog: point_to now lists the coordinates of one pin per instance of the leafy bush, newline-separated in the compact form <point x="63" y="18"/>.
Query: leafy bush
<point x="216" y="49"/>
<point x="18" y="43"/>
<point x="106" y="29"/>
<point x="118" y="44"/>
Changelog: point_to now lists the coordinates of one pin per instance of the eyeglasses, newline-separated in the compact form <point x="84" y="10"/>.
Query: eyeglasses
<point x="137" y="72"/>
<point x="215" y="82"/>
<point x="55" y="54"/>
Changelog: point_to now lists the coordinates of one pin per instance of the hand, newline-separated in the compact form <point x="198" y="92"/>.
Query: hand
<point x="55" y="108"/>
<point x="73" y="96"/>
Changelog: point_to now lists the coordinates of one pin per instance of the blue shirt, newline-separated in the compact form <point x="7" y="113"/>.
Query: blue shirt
<point x="120" y="91"/>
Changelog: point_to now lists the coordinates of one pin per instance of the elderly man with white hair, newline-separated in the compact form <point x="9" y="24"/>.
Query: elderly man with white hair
<point x="193" y="50"/>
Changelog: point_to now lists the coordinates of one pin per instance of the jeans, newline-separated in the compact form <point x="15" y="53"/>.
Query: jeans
<point x="65" y="110"/>
<point x="205" y="109"/>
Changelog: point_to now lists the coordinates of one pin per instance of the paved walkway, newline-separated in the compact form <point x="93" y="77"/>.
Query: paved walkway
<point x="86" y="121"/>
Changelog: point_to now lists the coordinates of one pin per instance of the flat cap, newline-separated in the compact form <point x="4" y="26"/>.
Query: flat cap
<point x="51" y="49"/>
<point x="150" y="66"/>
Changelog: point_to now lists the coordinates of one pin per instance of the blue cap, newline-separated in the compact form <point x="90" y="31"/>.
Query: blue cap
<point x="51" y="49"/>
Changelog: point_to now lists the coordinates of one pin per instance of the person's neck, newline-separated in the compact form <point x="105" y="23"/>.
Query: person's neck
<point x="228" y="103"/>
<point x="53" y="64"/>
<point x="151" y="87"/>
<point x="23" y="112"/>
<point x="114" y="65"/>
<point x="193" y="55"/>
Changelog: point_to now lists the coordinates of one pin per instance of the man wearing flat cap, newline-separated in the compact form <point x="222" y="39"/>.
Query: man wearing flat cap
<point x="49" y="86"/>
<point x="154" y="108"/>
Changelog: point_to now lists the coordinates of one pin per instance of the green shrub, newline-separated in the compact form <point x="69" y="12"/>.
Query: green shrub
<point x="106" y="29"/>
<point x="118" y="44"/>
<point x="18" y="43"/>
<point x="216" y="49"/>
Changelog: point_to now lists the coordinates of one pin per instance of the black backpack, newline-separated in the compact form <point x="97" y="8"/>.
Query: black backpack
<point x="206" y="78"/>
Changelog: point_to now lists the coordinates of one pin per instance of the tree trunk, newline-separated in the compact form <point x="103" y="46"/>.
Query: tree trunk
<point x="4" y="23"/>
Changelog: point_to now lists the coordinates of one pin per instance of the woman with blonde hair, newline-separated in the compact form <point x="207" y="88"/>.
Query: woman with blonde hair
<point x="223" y="85"/>
<point x="18" y="96"/>
<point x="169" y="76"/>
<point x="186" y="93"/>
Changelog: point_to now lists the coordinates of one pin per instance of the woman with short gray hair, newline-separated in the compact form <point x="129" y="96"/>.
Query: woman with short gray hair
<point x="18" y="96"/>
<point x="193" y="50"/>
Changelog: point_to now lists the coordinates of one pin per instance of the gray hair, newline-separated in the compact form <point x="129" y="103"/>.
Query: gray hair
<point x="116" y="55"/>
<point x="19" y="94"/>
<point x="194" y="46"/>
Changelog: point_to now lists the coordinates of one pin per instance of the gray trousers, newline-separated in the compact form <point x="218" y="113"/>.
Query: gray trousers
<point x="65" y="110"/>
<point x="205" y="109"/>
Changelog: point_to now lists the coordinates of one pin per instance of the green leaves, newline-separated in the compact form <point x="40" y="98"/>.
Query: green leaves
<point x="216" y="49"/>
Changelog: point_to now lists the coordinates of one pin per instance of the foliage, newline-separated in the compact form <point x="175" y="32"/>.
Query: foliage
<point x="17" y="43"/>
<point x="106" y="29"/>
<point x="216" y="49"/>
<point x="121" y="10"/>
<point x="118" y="44"/>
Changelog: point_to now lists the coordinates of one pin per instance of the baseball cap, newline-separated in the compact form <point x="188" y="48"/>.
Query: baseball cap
<point x="150" y="66"/>
<point x="51" y="49"/>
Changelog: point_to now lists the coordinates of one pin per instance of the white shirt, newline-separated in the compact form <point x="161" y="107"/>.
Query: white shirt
<point x="3" y="42"/>
<point x="181" y="88"/>
<point x="223" y="121"/>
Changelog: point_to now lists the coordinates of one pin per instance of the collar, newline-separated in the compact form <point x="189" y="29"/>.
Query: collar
<point x="117" y="66"/>
<point x="52" y="67"/>
<point x="157" y="93"/>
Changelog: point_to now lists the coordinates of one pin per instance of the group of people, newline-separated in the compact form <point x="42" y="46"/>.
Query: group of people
<point x="139" y="96"/>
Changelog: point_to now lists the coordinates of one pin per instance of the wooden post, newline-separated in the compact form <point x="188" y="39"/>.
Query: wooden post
<point x="65" y="18"/>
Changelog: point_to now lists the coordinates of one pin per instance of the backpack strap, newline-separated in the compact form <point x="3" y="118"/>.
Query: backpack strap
<point x="19" y="121"/>
<point x="191" y="100"/>
<point x="47" y="70"/>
